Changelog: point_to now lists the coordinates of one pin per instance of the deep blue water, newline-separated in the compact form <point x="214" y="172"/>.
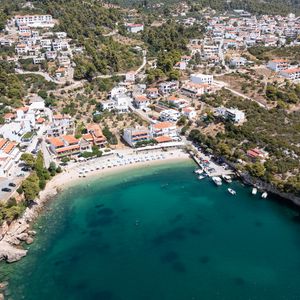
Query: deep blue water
<point x="160" y="234"/>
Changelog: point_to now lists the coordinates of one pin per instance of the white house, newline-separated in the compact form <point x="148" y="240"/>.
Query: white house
<point x="60" y="125"/>
<point x="130" y="76"/>
<point x="168" y="87"/>
<point x="152" y="93"/>
<point x="164" y="129"/>
<point x="171" y="115"/>
<point x="237" y="62"/>
<point x="9" y="156"/>
<point x="234" y="115"/>
<point x="278" y="65"/>
<point x="194" y="90"/>
<point x="189" y="112"/>
<point x="134" y="135"/>
<point x="134" y="28"/>
<point x="202" y="78"/>
<point x="291" y="74"/>
<point x="177" y="102"/>
<point x="141" y="101"/>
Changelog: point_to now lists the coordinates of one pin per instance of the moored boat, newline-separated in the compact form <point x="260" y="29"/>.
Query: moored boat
<point x="198" y="171"/>
<point x="254" y="191"/>
<point x="231" y="191"/>
<point x="264" y="195"/>
<point x="227" y="178"/>
<point x="217" y="180"/>
<point x="201" y="177"/>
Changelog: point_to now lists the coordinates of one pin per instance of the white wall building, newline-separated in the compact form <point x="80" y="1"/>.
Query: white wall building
<point x="134" y="135"/>
<point x="34" y="21"/>
<point x="164" y="129"/>
<point x="278" y="65"/>
<point x="168" y="87"/>
<point x="171" y="115"/>
<point x="202" y="78"/>
<point x="134" y="28"/>
<point x="291" y="74"/>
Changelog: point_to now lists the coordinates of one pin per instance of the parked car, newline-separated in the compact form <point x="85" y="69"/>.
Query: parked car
<point x="25" y="169"/>
<point x="6" y="190"/>
<point x="12" y="184"/>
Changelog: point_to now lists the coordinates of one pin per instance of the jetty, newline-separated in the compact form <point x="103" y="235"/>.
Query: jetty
<point x="211" y="168"/>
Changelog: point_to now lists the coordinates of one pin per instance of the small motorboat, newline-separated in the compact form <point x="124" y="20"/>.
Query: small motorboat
<point x="227" y="178"/>
<point x="254" y="191"/>
<point x="201" y="177"/>
<point x="198" y="171"/>
<point x="264" y="195"/>
<point x="217" y="180"/>
<point x="231" y="191"/>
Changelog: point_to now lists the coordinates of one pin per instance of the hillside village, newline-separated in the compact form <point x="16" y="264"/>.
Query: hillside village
<point x="212" y="80"/>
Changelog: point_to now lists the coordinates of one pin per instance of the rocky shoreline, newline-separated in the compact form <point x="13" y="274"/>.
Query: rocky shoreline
<point x="19" y="231"/>
<point x="262" y="185"/>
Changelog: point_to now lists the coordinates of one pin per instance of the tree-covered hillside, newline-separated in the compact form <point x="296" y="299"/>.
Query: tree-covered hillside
<point x="255" y="6"/>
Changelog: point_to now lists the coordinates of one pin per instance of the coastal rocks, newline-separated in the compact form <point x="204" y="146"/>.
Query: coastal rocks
<point x="32" y="232"/>
<point x="10" y="253"/>
<point x="16" y="233"/>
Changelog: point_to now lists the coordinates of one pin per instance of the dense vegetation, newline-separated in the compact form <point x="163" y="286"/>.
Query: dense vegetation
<point x="14" y="87"/>
<point x="84" y="21"/>
<point x="280" y="7"/>
<point x="267" y="53"/>
<point x="39" y="176"/>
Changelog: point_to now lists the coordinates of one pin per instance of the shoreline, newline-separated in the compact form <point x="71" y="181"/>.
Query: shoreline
<point x="18" y="232"/>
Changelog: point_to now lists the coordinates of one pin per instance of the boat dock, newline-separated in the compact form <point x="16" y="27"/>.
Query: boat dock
<point x="210" y="167"/>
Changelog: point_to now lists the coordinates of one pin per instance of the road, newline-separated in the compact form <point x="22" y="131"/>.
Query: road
<point x="45" y="75"/>
<point x="222" y="84"/>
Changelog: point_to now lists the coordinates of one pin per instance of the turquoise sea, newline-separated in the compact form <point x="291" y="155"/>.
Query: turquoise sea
<point x="158" y="233"/>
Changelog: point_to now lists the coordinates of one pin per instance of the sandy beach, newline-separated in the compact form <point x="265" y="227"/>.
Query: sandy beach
<point x="101" y="167"/>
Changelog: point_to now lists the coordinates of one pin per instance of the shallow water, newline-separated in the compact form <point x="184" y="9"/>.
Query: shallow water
<point x="160" y="233"/>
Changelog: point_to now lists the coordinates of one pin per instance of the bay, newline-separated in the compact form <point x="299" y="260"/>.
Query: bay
<point x="160" y="233"/>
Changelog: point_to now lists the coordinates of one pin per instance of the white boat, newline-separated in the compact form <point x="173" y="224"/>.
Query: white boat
<point x="254" y="191"/>
<point x="264" y="195"/>
<point x="201" y="177"/>
<point x="217" y="180"/>
<point x="231" y="191"/>
<point x="227" y="178"/>
<point x="198" y="171"/>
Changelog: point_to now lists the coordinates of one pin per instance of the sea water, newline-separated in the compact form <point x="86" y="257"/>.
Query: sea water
<point x="159" y="233"/>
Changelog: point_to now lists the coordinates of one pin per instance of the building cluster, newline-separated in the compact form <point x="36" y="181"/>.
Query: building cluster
<point x="242" y="30"/>
<point x="65" y="143"/>
<point x="35" y="40"/>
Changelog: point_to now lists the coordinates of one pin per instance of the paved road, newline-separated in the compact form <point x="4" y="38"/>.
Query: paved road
<point x="46" y="154"/>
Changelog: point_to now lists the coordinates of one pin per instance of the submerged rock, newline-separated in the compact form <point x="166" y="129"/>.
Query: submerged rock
<point x="29" y="240"/>
<point x="3" y="285"/>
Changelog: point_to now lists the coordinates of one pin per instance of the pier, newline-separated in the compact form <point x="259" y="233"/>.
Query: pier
<point x="210" y="167"/>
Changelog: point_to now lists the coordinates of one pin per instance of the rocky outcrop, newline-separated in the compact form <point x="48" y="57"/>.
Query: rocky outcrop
<point x="10" y="253"/>
<point x="12" y="236"/>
